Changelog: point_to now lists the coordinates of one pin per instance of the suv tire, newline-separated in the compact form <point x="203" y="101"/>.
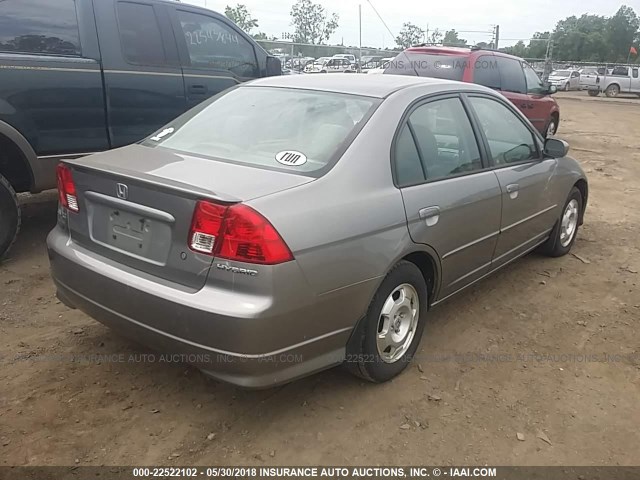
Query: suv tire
<point x="10" y="216"/>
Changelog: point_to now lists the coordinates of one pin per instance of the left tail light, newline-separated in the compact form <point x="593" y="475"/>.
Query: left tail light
<point x="67" y="188"/>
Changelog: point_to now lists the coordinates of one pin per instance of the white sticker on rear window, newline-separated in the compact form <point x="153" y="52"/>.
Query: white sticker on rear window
<point x="291" y="158"/>
<point x="163" y="133"/>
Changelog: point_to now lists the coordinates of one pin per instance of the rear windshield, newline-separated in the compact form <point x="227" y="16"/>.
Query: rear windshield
<point x="448" y="67"/>
<point x="300" y="131"/>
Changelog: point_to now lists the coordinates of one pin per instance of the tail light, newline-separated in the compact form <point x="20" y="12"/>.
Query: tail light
<point x="236" y="232"/>
<point x="66" y="188"/>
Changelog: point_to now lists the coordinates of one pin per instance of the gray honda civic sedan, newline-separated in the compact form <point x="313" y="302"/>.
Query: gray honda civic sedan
<point x="296" y="223"/>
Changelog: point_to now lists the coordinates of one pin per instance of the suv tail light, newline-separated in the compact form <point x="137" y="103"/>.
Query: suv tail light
<point x="66" y="188"/>
<point x="236" y="232"/>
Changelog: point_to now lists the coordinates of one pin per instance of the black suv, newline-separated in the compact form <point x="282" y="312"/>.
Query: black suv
<point x="82" y="76"/>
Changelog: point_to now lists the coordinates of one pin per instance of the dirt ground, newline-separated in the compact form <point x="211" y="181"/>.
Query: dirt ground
<point x="546" y="348"/>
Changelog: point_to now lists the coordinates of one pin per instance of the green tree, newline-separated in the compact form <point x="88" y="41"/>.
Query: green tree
<point x="621" y="32"/>
<point x="312" y="23"/>
<point x="410" y="35"/>
<point x="452" y="39"/>
<point x="240" y="16"/>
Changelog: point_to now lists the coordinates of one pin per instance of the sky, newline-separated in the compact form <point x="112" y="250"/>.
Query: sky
<point x="518" y="19"/>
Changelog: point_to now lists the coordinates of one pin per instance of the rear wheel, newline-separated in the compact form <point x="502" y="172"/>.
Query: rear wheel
<point x="612" y="91"/>
<point x="563" y="235"/>
<point x="9" y="216"/>
<point x="388" y="337"/>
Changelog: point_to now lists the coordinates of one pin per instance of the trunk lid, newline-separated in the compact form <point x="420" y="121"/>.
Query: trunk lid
<point x="137" y="203"/>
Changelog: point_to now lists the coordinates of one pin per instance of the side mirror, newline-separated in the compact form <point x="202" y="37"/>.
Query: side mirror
<point x="552" y="89"/>
<point x="556" y="148"/>
<point x="274" y="67"/>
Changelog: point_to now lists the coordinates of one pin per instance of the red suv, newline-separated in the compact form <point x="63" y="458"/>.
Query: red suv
<point x="512" y="76"/>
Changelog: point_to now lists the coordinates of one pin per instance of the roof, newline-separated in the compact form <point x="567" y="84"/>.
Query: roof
<point x="439" y="50"/>
<point x="379" y="86"/>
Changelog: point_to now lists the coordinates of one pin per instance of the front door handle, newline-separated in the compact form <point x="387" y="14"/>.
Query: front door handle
<point x="512" y="190"/>
<point x="430" y="215"/>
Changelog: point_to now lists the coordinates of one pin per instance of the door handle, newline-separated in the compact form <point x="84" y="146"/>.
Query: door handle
<point x="430" y="215"/>
<point x="198" y="88"/>
<point x="512" y="190"/>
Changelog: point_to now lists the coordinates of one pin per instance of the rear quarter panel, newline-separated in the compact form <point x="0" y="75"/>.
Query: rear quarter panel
<point x="347" y="228"/>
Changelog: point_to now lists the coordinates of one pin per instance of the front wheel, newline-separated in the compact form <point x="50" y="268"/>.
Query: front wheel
<point x="388" y="337"/>
<point x="594" y="93"/>
<point x="9" y="216"/>
<point x="566" y="87"/>
<point x="563" y="235"/>
<point x="552" y="127"/>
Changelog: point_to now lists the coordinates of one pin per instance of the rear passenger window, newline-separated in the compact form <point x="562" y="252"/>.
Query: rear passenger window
<point x="213" y="44"/>
<point x="635" y="73"/>
<point x="408" y="166"/>
<point x="485" y="72"/>
<point x="512" y="75"/>
<point x="45" y="27"/>
<point x="445" y="139"/>
<point x="140" y="34"/>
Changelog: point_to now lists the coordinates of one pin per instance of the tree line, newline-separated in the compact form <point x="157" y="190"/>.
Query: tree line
<point x="587" y="38"/>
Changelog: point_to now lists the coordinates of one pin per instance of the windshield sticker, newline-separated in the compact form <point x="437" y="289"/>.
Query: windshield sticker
<point x="291" y="158"/>
<point x="163" y="133"/>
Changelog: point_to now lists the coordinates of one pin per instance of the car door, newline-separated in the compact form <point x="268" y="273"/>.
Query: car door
<point x="142" y="75"/>
<point x="452" y="202"/>
<point x="514" y="87"/>
<point x="214" y="53"/>
<point x="525" y="178"/>
<point x="635" y="80"/>
<point x="540" y="103"/>
<point x="575" y="80"/>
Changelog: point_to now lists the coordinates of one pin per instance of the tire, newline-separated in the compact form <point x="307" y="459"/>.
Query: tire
<point x="9" y="216"/>
<point x="557" y="246"/>
<point x="612" y="91"/>
<point x="552" y="127"/>
<point x="364" y="357"/>
<point x="594" y="93"/>
<point x="566" y="87"/>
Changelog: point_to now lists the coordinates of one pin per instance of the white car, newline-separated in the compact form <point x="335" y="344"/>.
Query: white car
<point x="332" y="65"/>
<point x="348" y="56"/>
<point x="565" y="79"/>
<point x="316" y="66"/>
<point x="384" y="63"/>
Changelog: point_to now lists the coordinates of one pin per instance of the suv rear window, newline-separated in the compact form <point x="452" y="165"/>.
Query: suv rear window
<point x="448" y="67"/>
<point x="45" y="27"/>
<point x="314" y="124"/>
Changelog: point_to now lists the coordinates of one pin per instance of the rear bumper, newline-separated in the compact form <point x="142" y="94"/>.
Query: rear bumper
<point x="238" y="338"/>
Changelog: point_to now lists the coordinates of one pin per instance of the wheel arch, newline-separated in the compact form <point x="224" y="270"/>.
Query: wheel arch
<point x="583" y="187"/>
<point x="22" y="171"/>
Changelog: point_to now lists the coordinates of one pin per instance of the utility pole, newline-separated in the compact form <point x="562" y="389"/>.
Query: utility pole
<point x="497" y="35"/>
<point x="360" y="30"/>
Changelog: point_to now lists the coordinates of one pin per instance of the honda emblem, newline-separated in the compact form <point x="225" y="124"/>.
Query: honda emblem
<point x="122" y="190"/>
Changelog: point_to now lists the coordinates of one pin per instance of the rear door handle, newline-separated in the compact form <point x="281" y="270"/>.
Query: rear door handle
<point x="430" y="215"/>
<point x="198" y="88"/>
<point x="512" y="190"/>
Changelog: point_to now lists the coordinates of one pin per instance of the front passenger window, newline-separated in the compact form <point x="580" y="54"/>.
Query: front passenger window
<point x="510" y="141"/>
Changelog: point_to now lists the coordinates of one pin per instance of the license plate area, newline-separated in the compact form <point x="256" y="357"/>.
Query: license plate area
<point x="129" y="232"/>
<point x="132" y="230"/>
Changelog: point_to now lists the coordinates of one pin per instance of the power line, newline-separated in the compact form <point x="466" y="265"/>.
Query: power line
<point x="382" y="20"/>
